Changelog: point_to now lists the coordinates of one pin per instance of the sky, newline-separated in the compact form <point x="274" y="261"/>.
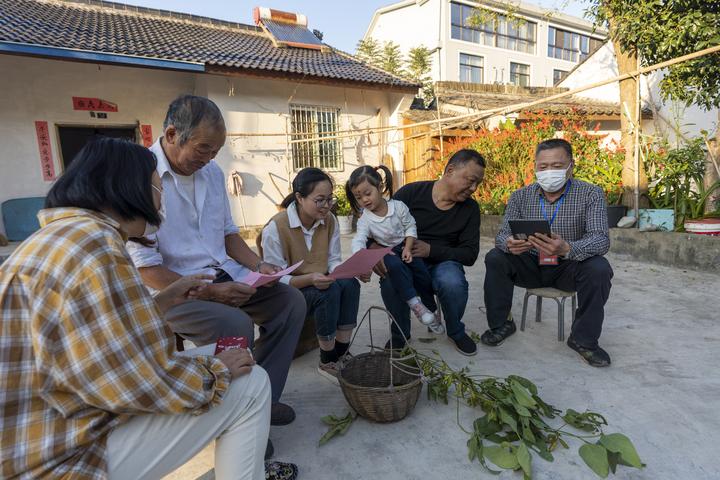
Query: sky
<point x="343" y="22"/>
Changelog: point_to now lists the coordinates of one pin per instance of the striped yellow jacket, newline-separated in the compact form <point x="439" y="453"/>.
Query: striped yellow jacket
<point x="83" y="348"/>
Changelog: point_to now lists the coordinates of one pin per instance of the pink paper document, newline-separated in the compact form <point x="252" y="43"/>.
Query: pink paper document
<point x="255" y="279"/>
<point x="360" y="263"/>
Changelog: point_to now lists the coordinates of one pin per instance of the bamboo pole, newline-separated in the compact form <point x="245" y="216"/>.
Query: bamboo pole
<point x="503" y="110"/>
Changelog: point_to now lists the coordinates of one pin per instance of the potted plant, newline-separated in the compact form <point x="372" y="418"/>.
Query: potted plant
<point x="343" y="211"/>
<point x="676" y="189"/>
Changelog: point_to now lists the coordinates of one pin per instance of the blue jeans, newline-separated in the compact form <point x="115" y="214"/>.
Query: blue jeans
<point x="335" y="308"/>
<point x="451" y="287"/>
<point x="410" y="280"/>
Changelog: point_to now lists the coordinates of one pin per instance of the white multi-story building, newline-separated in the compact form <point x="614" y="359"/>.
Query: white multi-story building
<point x="530" y="47"/>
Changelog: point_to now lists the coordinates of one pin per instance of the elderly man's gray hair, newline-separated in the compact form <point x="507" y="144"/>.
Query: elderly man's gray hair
<point x="187" y="112"/>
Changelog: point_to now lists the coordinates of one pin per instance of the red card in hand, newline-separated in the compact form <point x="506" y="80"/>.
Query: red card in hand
<point x="230" y="343"/>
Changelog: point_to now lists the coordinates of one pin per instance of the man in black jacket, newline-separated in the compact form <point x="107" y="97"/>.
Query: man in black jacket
<point x="448" y="224"/>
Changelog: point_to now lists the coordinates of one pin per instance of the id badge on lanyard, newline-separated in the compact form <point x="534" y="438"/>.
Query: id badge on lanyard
<point x="543" y="259"/>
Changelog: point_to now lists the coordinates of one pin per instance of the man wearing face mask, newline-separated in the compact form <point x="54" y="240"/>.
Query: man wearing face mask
<point x="199" y="236"/>
<point x="570" y="259"/>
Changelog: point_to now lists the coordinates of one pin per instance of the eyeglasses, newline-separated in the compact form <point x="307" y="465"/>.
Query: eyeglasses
<point x="330" y="202"/>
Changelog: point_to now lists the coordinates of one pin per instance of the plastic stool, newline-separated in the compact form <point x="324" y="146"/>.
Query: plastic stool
<point x="559" y="296"/>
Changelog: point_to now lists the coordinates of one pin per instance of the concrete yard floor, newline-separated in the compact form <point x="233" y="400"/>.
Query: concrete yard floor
<point x="662" y="390"/>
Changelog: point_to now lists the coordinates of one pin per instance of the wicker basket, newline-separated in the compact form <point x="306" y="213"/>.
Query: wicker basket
<point x="366" y="382"/>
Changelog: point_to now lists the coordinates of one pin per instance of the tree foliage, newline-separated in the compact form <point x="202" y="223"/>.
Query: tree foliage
<point x="418" y="65"/>
<point x="660" y="30"/>
<point x="415" y="66"/>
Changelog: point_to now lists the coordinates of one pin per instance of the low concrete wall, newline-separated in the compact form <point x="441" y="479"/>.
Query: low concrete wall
<point x="681" y="250"/>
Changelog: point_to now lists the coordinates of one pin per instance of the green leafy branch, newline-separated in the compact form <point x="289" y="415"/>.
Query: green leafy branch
<point x="515" y="421"/>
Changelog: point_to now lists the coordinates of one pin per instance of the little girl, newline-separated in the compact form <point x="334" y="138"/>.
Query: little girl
<point x="390" y="224"/>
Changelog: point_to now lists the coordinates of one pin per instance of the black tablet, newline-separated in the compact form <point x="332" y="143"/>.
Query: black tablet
<point x="522" y="229"/>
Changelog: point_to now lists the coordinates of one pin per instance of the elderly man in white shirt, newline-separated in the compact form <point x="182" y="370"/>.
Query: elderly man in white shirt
<point x="198" y="235"/>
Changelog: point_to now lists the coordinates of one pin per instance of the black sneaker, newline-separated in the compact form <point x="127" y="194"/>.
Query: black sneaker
<point x="596" y="357"/>
<point x="465" y="345"/>
<point x="280" y="471"/>
<point x="496" y="336"/>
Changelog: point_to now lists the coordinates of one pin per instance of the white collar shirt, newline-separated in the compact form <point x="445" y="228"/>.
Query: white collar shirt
<point x="272" y="245"/>
<point x="191" y="240"/>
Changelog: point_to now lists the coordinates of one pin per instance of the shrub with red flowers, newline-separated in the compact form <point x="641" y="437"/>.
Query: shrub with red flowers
<point x="510" y="151"/>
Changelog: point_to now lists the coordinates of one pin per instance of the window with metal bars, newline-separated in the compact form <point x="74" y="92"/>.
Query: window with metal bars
<point x="309" y="124"/>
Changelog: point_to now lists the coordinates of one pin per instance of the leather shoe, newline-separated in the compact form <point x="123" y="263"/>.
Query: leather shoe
<point x="495" y="336"/>
<point x="281" y="414"/>
<point x="595" y="357"/>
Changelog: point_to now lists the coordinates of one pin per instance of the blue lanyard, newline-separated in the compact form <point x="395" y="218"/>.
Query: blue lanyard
<point x="557" y="207"/>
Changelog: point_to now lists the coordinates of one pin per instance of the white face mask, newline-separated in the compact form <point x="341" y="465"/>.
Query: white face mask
<point x="151" y="229"/>
<point x="552" y="180"/>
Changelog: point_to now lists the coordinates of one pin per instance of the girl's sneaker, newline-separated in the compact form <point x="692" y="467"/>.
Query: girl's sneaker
<point x="330" y="371"/>
<point x="422" y="313"/>
<point x="436" y="327"/>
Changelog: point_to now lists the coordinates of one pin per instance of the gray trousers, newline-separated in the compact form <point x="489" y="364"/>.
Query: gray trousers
<point x="279" y="311"/>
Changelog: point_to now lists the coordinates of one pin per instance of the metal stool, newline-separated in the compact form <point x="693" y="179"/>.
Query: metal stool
<point x="559" y="296"/>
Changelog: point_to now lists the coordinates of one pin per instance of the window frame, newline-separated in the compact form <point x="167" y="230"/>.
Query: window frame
<point x="564" y="74"/>
<point x="497" y="33"/>
<point x="571" y="48"/>
<point x="310" y="154"/>
<point x="481" y="67"/>
<point x="528" y="74"/>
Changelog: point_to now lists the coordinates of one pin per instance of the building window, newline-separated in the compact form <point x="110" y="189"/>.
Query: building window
<point x="312" y="123"/>
<point x="471" y="68"/>
<point x="570" y="46"/>
<point x="518" y="35"/>
<point x="519" y="74"/>
<point x="558" y="75"/>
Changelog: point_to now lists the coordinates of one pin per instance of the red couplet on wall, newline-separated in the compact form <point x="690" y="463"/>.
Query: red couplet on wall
<point x="146" y="133"/>
<point x="46" y="158"/>
<point x="94" y="104"/>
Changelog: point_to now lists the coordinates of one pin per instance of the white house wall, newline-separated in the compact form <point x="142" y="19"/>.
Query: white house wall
<point x="39" y="89"/>
<point x="671" y="117"/>
<point x="33" y="89"/>
<point x="252" y="105"/>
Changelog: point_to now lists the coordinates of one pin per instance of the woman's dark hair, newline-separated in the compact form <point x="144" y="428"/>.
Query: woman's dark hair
<point x="304" y="183"/>
<point x="465" y="156"/>
<point x="372" y="176"/>
<point x="109" y="173"/>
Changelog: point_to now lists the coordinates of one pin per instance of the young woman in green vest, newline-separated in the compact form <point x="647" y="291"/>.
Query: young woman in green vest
<point x="306" y="230"/>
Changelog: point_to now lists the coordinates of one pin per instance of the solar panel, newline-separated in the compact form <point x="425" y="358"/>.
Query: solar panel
<point x="291" y="34"/>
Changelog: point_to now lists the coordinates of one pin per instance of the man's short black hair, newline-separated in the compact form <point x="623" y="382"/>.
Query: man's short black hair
<point x="463" y="157"/>
<point x="555" y="143"/>
<point x="111" y="174"/>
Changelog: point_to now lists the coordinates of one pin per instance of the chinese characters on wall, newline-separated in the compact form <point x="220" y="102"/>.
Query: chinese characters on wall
<point x="46" y="158"/>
